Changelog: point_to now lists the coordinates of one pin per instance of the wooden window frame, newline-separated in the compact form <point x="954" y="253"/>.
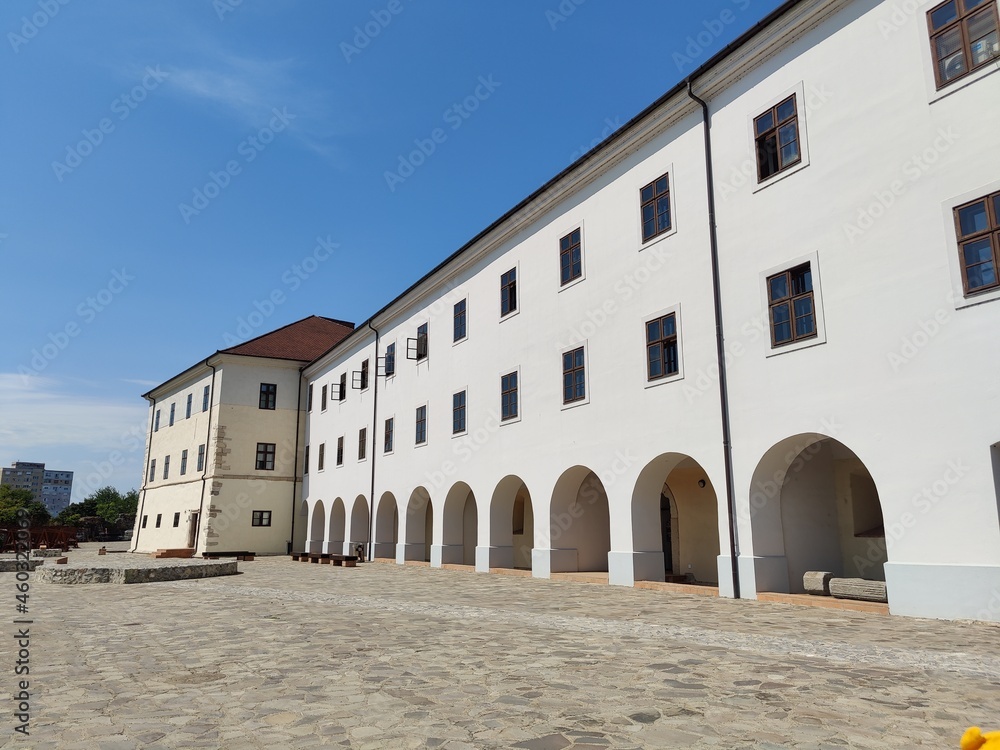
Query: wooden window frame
<point x="653" y="199"/>
<point x="321" y="460"/>
<point x="201" y="457"/>
<point x="187" y="407"/>
<point x="365" y="366"/>
<point x="665" y="342"/>
<point x="459" y="413"/>
<point x="509" y="391"/>
<point x="991" y="233"/>
<point x="309" y="398"/>
<point x="177" y="519"/>
<point x="151" y="477"/>
<point x="323" y="398"/>
<point x="760" y="138"/>
<point x="268" y="396"/>
<point x="340" y="451"/>
<point x="362" y="443"/>
<point x="205" y="398"/>
<point x="342" y="392"/>
<point x="420" y="426"/>
<point x="567" y="244"/>
<point x="266" y="454"/>
<point x="961" y="23"/>
<point x="260" y="518"/>
<point x="166" y="467"/>
<point x="305" y="461"/>
<point x="574" y="362"/>
<point x="184" y="462"/>
<point x="389" y="436"/>
<point x="508" y="292"/>
<point x="788" y="301"/>
<point x="173" y="412"/>
<point x="460" y="321"/>
<point x="390" y="360"/>
<point x="422" y="341"/>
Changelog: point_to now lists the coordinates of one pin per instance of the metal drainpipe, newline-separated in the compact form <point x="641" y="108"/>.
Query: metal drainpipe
<point x="371" y="506"/>
<point x="145" y="479"/>
<point x="204" y="473"/>
<point x="295" y="462"/>
<point x="727" y="443"/>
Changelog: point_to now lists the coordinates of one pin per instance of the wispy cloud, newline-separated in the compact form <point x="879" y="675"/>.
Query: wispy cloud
<point x="143" y="383"/>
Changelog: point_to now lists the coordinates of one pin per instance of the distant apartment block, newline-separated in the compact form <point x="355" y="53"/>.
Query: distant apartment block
<point x="51" y="488"/>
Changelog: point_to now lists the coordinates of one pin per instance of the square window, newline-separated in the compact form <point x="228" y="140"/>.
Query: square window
<point x="776" y="135"/>
<point x="265" y="456"/>
<point x="390" y="360"/>
<point x="459" y="321"/>
<point x="655" y="208"/>
<point x="421" y="425"/>
<point x="574" y="376"/>
<point x="508" y="396"/>
<point x="508" y="292"/>
<point x="389" y="430"/>
<point x="963" y="37"/>
<point x="268" y="395"/>
<point x="261" y="518"/>
<point x="977" y="226"/>
<point x="570" y="257"/>
<point x="458" y="413"/>
<point x="362" y="443"/>
<point x="791" y="305"/>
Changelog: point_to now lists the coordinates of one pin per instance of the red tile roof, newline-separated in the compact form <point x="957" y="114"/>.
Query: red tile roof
<point x="304" y="340"/>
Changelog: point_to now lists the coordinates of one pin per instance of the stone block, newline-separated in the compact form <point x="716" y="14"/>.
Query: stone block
<point x="817" y="582"/>
<point x="858" y="588"/>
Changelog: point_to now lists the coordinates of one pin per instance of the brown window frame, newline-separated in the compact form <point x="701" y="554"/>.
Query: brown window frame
<point x="321" y="460"/>
<point x="961" y="23"/>
<point x="574" y="365"/>
<point x="266" y="454"/>
<point x="788" y="301"/>
<point x="508" y="292"/>
<point x="388" y="440"/>
<point x="390" y="360"/>
<point x="364" y="374"/>
<point x="990" y="233"/>
<point x="309" y="398"/>
<point x="762" y="137"/>
<point x="650" y="197"/>
<point x="571" y="257"/>
<point x="323" y="398"/>
<point x="421" y="342"/>
<point x="362" y="443"/>
<point x="342" y="395"/>
<point x="305" y="461"/>
<point x="509" y="406"/>
<point x="460" y="321"/>
<point x="340" y="451"/>
<point x="666" y="343"/>
<point x="420" y="426"/>
<point x="268" y="396"/>
<point x="458" y="412"/>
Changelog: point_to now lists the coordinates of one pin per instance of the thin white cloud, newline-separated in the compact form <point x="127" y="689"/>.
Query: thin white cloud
<point x="143" y="383"/>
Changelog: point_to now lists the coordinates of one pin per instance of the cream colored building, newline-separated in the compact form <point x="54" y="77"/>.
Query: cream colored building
<point x="223" y="442"/>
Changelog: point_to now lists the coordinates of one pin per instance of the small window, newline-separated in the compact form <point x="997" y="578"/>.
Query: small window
<point x="362" y="443"/>
<point x="305" y="462"/>
<point x="201" y="457"/>
<point x="184" y="462"/>
<point x="458" y="413"/>
<point x="508" y="292"/>
<point x="389" y="430"/>
<point x="166" y="467"/>
<point x="570" y="257"/>
<point x="364" y="375"/>
<point x="340" y="451"/>
<point x="177" y="520"/>
<point x="322" y="399"/>
<point x="265" y="456"/>
<point x="144" y="519"/>
<point x="173" y="409"/>
<point x="662" y="360"/>
<point x="268" y="395"/>
<point x="390" y="360"/>
<point x="422" y="342"/>
<point x="322" y="457"/>
<point x="204" y="398"/>
<point x="342" y="394"/>
<point x="261" y="518"/>
<point x="460" y="327"/>
<point x="309" y="398"/>
<point x="655" y="201"/>
<point x="776" y="134"/>
<point x="508" y="396"/>
<point x="791" y="305"/>
<point x="152" y="471"/>
<point x="963" y="37"/>
<point x="977" y="226"/>
<point x="421" y="431"/>
<point x="156" y="421"/>
<point x="187" y="407"/>
<point x="159" y="519"/>
<point x="574" y="376"/>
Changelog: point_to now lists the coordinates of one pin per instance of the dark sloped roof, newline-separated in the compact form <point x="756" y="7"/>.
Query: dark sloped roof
<point x="303" y="340"/>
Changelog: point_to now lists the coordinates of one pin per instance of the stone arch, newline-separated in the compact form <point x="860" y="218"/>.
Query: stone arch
<point x="459" y="527"/>
<point x="317" y="528"/>
<point x="512" y="524"/>
<point x="360" y="531"/>
<point x="337" y="527"/>
<point x="579" y="522"/>
<point x="386" y="526"/>
<point x="675" y="522"/>
<point x="418" y="526"/>
<point x="814" y="506"/>
<point x="301" y="527"/>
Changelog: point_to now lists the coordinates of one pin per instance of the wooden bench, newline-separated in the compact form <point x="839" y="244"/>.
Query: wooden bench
<point x="241" y="555"/>
<point x="348" y="561"/>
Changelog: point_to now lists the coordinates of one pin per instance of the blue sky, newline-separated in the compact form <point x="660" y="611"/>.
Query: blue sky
<point x="167" y="166"/>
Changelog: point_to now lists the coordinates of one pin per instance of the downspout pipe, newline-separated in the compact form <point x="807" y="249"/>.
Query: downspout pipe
<point x="295" y="462"/>
<point x="727" y="442"/>
<point x="208" y="445"/>
<point x="371" y="506"/>
<point x="145" y="477"/>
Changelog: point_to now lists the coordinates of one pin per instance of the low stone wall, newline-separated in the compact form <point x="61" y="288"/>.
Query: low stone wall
<point x="12" y="565"/>
<point x="74" y="575"/>
<point x="47" y="553"/>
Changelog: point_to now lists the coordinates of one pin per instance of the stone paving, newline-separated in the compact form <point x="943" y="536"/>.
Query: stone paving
<point x="287" y="655"/>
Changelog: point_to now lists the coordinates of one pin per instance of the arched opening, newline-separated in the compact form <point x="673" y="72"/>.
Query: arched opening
<point x="338" y="521"/>
<point x="512" y="525"/>
<point x="317" y="528"/>
<point x="419" y="526"/>
<point x="579" y="523"/>
<point x="386" y="527"/>
<point x="301" y="527"/>
<point x="360" y="532"/>
<point x="814" y="506"/>
<point x="459" y="527"/>
<point x="675" y="522"/>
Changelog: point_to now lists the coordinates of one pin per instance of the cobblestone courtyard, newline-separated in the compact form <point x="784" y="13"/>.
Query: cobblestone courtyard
<point x="288" y="655"/>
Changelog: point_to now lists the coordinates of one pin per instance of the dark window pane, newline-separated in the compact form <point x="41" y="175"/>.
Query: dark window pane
<point x="786" y="109"/>
<point x="567" y="361"/>
<point x="576" y="237"/>
<point x="951" y="57"/>
<point x="648" y="229"/>
<point x="788" y="134"/>
<point x="803" y="306"/>
<point x="804" y="326"/>
<point x="973" y="219"/>
<point x="648" y="213"/>
<point x="661" y="185"/>
<point x="980" y="276"/>
<point x="764" y="122"/>
<point x="780" y="314"/>
<point x="655" y="370"/>
<point x="977" y="252"/>
<point x="973" y="4"/>
<point x="669" y="326"/>
<point x="646" y="194"/>
<point x="996" y="207"/>
<point x="767" y="156"/>
<point x="670" y="357"/>
<point x="653" y="331"/>
<point x="944" y="15"/>
<point x="778" y="288"/>
<point x="802" y="280"/>
<point x="782" y="332"/>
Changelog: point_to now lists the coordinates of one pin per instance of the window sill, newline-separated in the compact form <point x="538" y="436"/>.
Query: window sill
<point x="463" y="433"/>
<point x="979" y="298"/>
<point x="950" y="88"/>
<point x="511" y="420"/>
<point x="462" y="340"/>
<point x="797" y="346"/>
<point x="658" y="238"/>
<point x="664" y="380"/>
<point x="511" y="314"/>
<point x="572" y="283"/>
<point x="575" y="404"/>
<point x="781" y="175"/>
<point x="420" y="445"/>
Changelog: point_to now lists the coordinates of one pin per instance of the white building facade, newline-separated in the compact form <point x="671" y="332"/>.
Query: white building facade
<point x="606" y="379"/>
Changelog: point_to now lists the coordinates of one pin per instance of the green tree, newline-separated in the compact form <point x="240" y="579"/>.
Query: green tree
<point x="13" y="500"/>
<point x="107" y="503"/>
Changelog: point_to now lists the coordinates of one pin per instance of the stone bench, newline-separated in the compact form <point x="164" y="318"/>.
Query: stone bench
<point x="241" y="555"/>
<point x="858" y="588"/>
<point x="348" y="561"/>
